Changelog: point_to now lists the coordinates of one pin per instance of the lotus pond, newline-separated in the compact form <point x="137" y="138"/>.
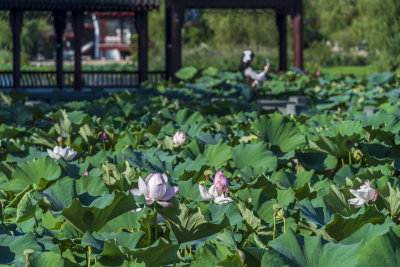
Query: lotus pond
<point x="165" y="177"/>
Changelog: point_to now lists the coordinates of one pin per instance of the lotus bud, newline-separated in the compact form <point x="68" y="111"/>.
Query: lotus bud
<point x="86" y="173"/>
<point x="59" y="140"/>
<point x="221" y="183"/>
<point x="179" y="138"/>
<point x="349" y="144"/>
<point x="104" y="137"/>
<point x="318" y="73"/>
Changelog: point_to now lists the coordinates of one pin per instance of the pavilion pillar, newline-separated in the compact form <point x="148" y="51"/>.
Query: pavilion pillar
<point x="16" y="27"/>
<point x="168" y="44"/>
<point x="176" y="22"/>
<point x="297" y="24"/>
<point x="59" y="26"/>
<point x="77" y="21"/>
<point x="143" y="46"/>
<point x="282" y="28"/>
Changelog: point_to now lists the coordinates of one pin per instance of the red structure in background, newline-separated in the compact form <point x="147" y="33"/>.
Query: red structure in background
<point x="112" y="29"/>
<point x="116" y="30"/>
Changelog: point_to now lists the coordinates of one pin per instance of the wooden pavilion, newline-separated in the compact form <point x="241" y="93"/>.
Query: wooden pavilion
<point x="77" y="8"/>
<point x="175" y="17"/>
<point x="175" y="10"/>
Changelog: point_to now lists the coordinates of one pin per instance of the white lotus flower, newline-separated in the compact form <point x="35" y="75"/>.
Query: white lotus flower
<point x="213" y="195"/>
<point x="59" y="152"/>
<point x="179" y="138"/>
<point x="363" y="195"/>
<point x="154" y="188"/>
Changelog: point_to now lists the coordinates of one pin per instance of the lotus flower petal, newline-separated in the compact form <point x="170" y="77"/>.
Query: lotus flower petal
<point x="170" y="193"/>
<point x="222" y="199"/>
<point x="204" y="194"/>
<point x="157" y="192"/>
<point x="149" y="201"/>
<point x="144" y="190"/>
<point x="136" y="192"/>
<point x="165" y="204"/>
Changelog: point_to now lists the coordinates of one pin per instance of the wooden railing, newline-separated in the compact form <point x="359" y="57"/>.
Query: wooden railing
<point x="91" y="79"/>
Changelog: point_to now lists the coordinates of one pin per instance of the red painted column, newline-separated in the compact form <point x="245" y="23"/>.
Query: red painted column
<point x="16" y="27"/>
<point x="297" y="24"/>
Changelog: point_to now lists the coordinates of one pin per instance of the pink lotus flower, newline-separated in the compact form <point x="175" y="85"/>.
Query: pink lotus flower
<point x="86" y="173"/>
<point x="363" y="195"/>
<point x="179" y="138"/>
<point x="221" y="183"/>
<point x="318" y="73"/>
<point x="154" y="188"/>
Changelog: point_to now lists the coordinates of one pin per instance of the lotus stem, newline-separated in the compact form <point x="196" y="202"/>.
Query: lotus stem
<point x="284" y="224"/>
<point x="89" y="253"/>
<point x="123" y="152"/>
<point x="190" y="250"/>
<point x="274" y="228"/>
<point x="69" y="141"/>
<point x="2" y="211"/>
<point x="155" y="224"/>
<point x="343" y="162"/>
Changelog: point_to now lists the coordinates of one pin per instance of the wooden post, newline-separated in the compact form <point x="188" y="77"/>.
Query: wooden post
<point x="16" y="27"/>
<point x="77" y="20"/>
<point x="282" y="28"/>
<point x="59" y="26"/>
<point x="175" y="56"/>
<point x="143" y="42"/>
<point x="168" y="44"/>
<point x="297" y="24"/>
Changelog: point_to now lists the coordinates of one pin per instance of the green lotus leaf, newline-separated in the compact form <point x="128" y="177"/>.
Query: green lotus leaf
<point x="279" y="131"/>
<point x="102" y="210"/>
<point x="186" y="73"/>
<point x="341" y="228"/>
<point x="190" y="224"/>
<point x="218" y="155"/>
<point x="39" y="172"/>
<point x="256" y="156"/>
<point x="310" y="251"/>
<point x="161" y="253"/>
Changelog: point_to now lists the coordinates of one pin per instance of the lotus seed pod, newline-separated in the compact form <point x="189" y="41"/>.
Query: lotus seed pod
<point x="357" y="154"/>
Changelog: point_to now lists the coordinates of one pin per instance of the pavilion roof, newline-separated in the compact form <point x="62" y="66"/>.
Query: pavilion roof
<point x="89" y="5"/>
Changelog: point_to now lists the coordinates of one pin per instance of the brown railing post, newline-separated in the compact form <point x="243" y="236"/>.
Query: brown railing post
<point x="16" y="26"/>
<point x="59" y="26"/>
<point x="77" y="20"/>
<point x="297" y="24"/>
<point x="142" y="28"/>
<point x="282" y="28"/>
